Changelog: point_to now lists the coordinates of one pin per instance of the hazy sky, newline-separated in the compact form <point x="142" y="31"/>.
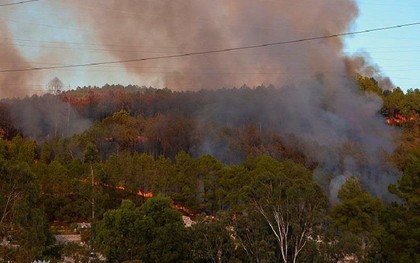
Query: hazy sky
<point x="47" y="33"/>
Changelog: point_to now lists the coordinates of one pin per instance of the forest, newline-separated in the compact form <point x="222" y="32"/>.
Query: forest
<point x="205" y="176"/>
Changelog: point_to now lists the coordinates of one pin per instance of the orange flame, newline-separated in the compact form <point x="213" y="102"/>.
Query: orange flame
<point x="120" y="187"/>
<point x="141" y="193"/>
<point x="182" y="209"/>
<point x="144" y="194"/>
<point x="399" y="119"/>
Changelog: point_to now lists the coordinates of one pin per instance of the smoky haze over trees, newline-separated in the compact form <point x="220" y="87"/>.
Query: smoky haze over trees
<point x="247" y="206"/>
<point x="41" y="118"/>
<point x="340" y="141"/>
<point x="254" y="167"/>
<point x="318" y="101"/>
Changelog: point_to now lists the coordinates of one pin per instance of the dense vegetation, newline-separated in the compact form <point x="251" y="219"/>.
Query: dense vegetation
<point x="248" y="187"/>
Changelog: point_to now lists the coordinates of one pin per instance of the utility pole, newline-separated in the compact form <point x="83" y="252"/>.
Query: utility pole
<point x="92" y="253"/>
<point x="90" y="155"/>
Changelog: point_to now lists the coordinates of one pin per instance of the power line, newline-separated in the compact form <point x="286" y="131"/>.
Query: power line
<point x="19" y="3"/>
<point x="212" y="51"/>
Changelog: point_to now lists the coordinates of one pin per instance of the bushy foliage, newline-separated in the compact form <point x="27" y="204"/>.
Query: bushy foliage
<point x="151" y="162"/>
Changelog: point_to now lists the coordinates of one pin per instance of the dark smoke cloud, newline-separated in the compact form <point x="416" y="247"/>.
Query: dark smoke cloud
<point x="317" y="100"/>
<point x="342" y="130"/>
<point x="170" y="27"/>
<point x="338" y="127"/>
<point x="13" y="84"/>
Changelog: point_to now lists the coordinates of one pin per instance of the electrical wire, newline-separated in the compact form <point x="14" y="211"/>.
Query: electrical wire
<point x="205" y="52"/>
<point x="19" y="3"/>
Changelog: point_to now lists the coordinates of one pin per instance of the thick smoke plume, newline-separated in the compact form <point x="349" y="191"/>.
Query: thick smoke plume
<point x="317" y="100"/>
<point x="337" y="127"/>
<point x="13" y="84"/>
<point x="137" y="29"/>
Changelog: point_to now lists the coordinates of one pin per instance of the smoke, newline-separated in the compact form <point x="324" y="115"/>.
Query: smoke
<point x="45" y="117"/>
<point x="338" y="127"/>
<point x="38" y="118"/>
<point x="13" y="84"/>
<point x="138" y="29"/>
<point x="362" y="64"/>
<point x="317" y="100"/>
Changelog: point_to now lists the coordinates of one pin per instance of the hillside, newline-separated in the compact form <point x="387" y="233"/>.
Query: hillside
<point x="230" y="159"/>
